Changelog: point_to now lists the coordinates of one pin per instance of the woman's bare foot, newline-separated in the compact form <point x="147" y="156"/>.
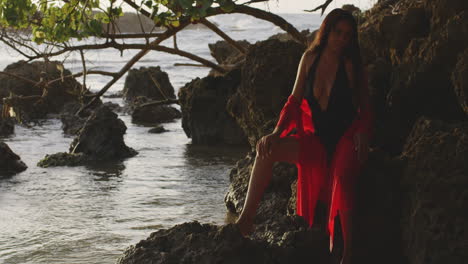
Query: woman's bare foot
<point x="245" y="225"/>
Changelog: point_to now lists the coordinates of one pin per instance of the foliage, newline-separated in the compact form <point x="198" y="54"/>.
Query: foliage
<point x="60" y="20"/>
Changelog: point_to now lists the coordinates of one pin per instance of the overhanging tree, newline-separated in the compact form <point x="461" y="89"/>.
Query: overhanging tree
<point x="54" y="23"/>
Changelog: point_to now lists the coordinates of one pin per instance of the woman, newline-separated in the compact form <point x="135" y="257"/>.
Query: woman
<point x="330" y="109"/>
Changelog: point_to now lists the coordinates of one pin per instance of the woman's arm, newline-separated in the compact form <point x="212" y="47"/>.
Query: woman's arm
<point x="295" y="99"/>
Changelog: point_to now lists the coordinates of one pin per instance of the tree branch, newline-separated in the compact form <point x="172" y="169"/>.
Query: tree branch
<point x="322" y="6"/>
<point x="223" y="35"/>
<point x="19" y="77"/>
<point x="132" y="35"/>
<point x="273" y="18"/>
<point x="167" y="101"/>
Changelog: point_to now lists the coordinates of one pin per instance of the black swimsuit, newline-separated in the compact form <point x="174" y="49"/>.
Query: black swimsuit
<point x="331" y="124"/>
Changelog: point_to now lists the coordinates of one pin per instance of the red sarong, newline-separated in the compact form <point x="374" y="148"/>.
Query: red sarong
<point x="333" y="183"/>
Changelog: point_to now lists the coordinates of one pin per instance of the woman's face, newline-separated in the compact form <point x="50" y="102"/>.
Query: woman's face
<point x="340" y="36"/>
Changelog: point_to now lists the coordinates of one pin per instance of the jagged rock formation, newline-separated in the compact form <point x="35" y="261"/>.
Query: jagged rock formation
<point x="100" y="139"/>
<point x="150" y="82"/>
<point x="10" y="163"/>
<point x="204" y="115"/>
<point x="24" y="97"/>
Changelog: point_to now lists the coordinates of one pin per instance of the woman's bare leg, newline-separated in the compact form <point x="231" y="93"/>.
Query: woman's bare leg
<point x="286" y="149"/>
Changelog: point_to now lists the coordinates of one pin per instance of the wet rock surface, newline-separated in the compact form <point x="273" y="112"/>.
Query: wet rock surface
<point x="460" y="80"/>
<point x="154" y="114"/>
<point x="225" y="53"/>
<point x="150" y="82"/>
<point x="204" y="116"/>
<point x="157" y="130"/>
<point x="434" y="192"/>
<point x="100" y="139"/>
<point x="10" y="163"/>
<point x="7" y="126"/>
<point x="25" y="99"/>
<point x="413" y="47"/>
<point x="204" y="243"/>
<point x="268" y="76"/>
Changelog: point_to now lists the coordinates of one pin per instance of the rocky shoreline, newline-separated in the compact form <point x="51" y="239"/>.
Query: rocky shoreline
<point x="411" y="194"/>
<point x="415" y="53"/>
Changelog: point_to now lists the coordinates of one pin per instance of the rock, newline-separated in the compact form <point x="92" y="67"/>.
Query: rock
<point x="204" y="116"/>
<point x="71" y="123"/>
<point x="460" y="80"/>
<point x="7" y="126"/>
<point x="150" y="82"/>
<point x="118" y="94"/>
<point x="268" y="77"/>
<point x="351" y="8"/>
<point x="196" y="243"/>
<point x="287" y="37"/>
<point x="157" y="130"/>
<point x="154" y="114"/>
<point x="434" y="192"/>
<point x="10" y="163"/>
<point x="412" y="57"/>
<point x="101" y="137"/>
<point x="225" y="53"/>
<point x="114" y="106"/>
<point x="25" y="100"/>
<point x="64" y="159"/>
<point x="274" y="203"/>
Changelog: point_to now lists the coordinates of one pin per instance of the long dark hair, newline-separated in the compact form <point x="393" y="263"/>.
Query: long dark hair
<point x="352" y="51"/>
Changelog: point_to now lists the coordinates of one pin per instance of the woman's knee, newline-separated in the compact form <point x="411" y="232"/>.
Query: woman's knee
<point x="284" y="149"/>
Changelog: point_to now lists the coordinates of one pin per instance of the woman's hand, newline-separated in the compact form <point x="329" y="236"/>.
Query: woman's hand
<point x="266" y="143"/>
<point x="361" y="146"/>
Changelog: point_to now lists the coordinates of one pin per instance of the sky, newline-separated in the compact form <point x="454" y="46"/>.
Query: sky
<point x="297" y="6"/>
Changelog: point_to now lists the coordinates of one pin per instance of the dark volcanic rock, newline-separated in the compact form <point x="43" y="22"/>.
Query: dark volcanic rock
<point x="204" y="116"/>
<point x="99" y="139"/>
<point x="7" y="126"/>
<point x="102" y="137"/>
<point x="157" y="130"/>
<point x="460" y="80"/>
<point x="310" y="36"/>
<point x="268" y="77"/>
<point x="413" y="57"/>
<point x="274" y="203"/>
<point x="196" y="243"/>
<point x="154" y="114"/>
<point x="150" y="82"/>
<point x="58" y="93"/>
<point x="64" y="159"/>
<point x="10" y="163"/>
<point x="435" y="196"/>
<point x="225" y="53"/>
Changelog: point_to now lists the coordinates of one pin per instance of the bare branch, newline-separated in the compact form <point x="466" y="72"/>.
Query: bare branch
<point x="273" y="18"/>
<point x="132" y="35"/>
<point x="167" y="101"/>
<point x="111" y="74"/>
<point x="138" y="9"/>
<point x="167" y="34"/>
<point x="19" y="77"/>
<point x="189" y="64"/>
<point x="83" y="87"/>
<point x="223" y="35"/>
<point x="322" y="6"/>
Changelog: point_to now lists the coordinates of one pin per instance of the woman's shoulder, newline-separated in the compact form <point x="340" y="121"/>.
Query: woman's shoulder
<point x="309" y="57"/>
